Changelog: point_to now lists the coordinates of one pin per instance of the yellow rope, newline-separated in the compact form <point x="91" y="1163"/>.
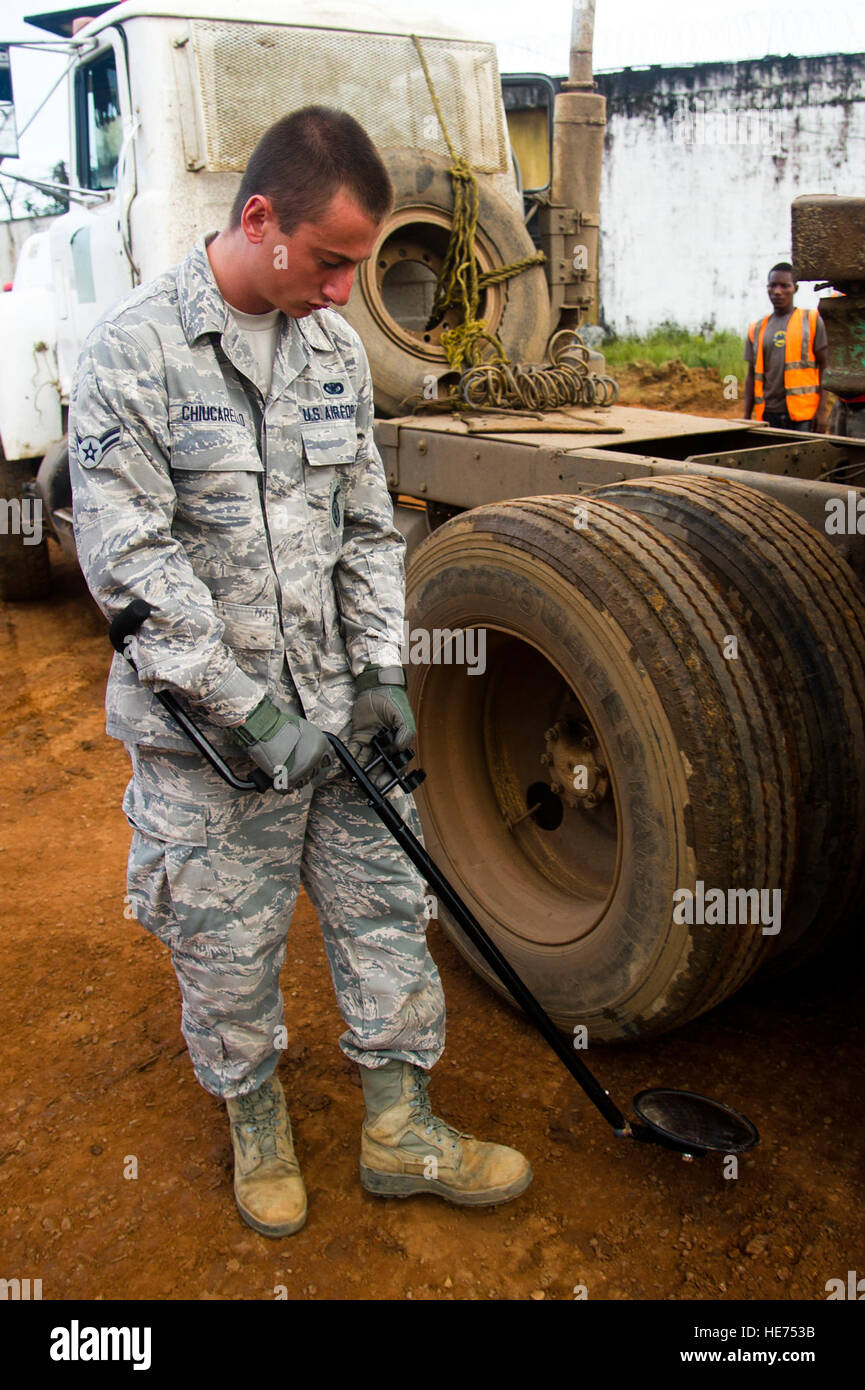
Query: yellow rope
<point x="459" y="282"/>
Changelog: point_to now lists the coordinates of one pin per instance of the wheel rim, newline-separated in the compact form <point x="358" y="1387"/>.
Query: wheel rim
<point x="547" y="875"/>
<point x="399" y="278"/>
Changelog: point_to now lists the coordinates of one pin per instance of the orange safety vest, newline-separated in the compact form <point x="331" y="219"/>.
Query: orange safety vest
<point x="801" y="373"/>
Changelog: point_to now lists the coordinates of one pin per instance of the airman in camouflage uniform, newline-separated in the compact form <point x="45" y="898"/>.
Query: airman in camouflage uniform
<point x="255" y="519"/>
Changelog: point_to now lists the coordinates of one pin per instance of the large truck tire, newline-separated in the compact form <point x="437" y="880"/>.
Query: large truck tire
<point x="393" y="290"/>
<point x="801" y="611"/>
<point x="25" y="570"/>
<point x="604" y="651"/>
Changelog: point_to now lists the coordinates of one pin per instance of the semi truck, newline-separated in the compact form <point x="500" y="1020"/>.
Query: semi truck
<point x="634" y="639"/>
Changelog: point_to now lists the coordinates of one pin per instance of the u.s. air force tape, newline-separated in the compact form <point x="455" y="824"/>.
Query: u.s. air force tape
<point x="91" y="449"/>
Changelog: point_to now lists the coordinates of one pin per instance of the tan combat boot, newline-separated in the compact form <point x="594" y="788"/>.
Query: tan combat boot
<point x="406" y="1149"/>
<point x="268" y="1187"/>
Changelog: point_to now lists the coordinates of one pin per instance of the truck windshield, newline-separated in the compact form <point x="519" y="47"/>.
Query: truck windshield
<point x="100" y="126"/>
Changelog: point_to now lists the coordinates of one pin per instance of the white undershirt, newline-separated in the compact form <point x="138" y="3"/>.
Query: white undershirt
<point x="261" y="331"/>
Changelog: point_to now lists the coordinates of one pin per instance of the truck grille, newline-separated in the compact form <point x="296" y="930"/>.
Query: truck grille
<point x="252" y="74"/>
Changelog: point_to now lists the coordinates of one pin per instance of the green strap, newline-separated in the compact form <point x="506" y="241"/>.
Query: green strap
<point x="266" y="720"/>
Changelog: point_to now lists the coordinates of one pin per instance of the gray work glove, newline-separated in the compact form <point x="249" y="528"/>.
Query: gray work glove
<point x="380" y="703"/>
<point x="291" y="751"/>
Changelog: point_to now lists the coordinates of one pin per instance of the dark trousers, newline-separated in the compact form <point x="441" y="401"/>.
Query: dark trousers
<point x="780" y="420"/>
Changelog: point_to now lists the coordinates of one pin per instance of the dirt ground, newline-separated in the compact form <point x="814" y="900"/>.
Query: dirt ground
<point x="96" y="1074"/>
<point x="673" y="386"/>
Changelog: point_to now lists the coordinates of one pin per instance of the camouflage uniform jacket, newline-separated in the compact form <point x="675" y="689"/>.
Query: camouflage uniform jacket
<point x="260" y="529"/>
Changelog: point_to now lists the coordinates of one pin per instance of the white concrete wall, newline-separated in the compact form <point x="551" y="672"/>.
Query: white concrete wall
<point x="701" y="166"/>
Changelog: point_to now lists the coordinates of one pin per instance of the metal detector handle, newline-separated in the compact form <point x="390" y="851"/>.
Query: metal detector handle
<point x="469" y="923"/>
<point x="124" y="626"/>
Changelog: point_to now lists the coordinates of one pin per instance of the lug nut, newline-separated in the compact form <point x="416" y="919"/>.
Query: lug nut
<point x="552" y="734"/>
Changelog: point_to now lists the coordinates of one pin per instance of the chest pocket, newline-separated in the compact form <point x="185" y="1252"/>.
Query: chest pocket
<point x="210" y="444"/>
<point x="329" y="452"/>
<point x="215" y="467"/>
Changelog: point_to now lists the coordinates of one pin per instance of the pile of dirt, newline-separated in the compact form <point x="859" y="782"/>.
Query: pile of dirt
<point x="673" y="386"/>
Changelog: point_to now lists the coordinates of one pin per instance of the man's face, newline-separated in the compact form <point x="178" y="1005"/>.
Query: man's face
<point x="781" y="288"/>
<point x="313" y="267"/>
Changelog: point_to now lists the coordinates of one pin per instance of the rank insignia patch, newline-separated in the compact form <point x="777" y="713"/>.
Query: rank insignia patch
<point x="90" y="449"/>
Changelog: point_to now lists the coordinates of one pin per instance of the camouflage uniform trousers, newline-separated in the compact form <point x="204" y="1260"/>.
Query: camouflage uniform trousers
<point x="214" y="874"/>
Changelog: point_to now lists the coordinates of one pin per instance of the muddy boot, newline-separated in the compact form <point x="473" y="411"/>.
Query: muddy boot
<point x="268" y="1187"/>
<point x="406" y="1149"/>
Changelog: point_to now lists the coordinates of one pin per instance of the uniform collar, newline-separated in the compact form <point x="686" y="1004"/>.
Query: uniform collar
<point x="202" y="307"/>
<point x="315" y="333"/>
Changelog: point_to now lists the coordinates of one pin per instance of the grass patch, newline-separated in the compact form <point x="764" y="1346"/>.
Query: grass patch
<point x="722" y="351"/>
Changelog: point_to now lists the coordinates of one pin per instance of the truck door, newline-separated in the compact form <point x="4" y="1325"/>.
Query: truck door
<point x="92" y="260"/>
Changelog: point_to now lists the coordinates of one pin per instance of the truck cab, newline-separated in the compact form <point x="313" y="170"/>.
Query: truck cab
<point x="165" y="104"/>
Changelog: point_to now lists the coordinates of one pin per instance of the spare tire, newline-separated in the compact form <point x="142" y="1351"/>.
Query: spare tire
<point x="394" y="288"/>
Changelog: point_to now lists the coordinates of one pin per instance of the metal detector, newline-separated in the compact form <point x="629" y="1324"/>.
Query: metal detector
<point x="689" y="1123"/>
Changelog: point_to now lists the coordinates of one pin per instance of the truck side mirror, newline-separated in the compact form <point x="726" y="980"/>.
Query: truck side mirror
<point x="8" y="128"/>
<point x="529" y="99"/>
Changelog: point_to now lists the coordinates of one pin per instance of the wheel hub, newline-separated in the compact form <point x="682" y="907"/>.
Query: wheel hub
<point x="400" y="277"/>
<point x="576" y="773"/>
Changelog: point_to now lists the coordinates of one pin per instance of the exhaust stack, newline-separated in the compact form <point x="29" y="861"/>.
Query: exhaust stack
<point x="570" y="225"/>
<point x="582" y="39"/>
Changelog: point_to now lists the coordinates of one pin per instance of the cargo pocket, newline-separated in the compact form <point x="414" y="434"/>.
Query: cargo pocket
<point x="171" y="884"/>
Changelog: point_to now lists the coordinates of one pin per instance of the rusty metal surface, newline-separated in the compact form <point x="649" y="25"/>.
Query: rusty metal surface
<point x="828" y="237"/>
<point x="569" y="226"/>
<point x="844" y="317"/>
<point x="555" y="422"/>
<point x="631" y="423"/>
<point x="582" y="43"/>
<point x="437" y="461"/>
<point x="796" y="456"/>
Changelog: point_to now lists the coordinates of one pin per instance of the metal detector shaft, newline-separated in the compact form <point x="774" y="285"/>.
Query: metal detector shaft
<point x="476" y="934"/>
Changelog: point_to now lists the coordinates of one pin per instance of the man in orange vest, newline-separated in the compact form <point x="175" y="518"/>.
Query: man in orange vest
<point x="786" y="352"/>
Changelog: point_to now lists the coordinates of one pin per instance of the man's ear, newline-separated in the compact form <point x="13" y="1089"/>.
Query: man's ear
<point x="254" y="218"/>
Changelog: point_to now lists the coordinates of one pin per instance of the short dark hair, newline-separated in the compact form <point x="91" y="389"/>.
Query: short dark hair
<point x="784" y="265"/>
<point x="304" y="158"/>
